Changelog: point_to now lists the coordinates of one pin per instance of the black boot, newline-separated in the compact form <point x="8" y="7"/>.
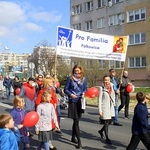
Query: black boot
<point x="79" y="145"/>
<point x="101" y="134"/>
<point x="108" y="141"/>
<point x="73" y="139"/>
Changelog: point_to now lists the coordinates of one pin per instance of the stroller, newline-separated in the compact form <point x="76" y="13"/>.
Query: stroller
<point x="63" y="98"/>
<point x="64" y="102"/>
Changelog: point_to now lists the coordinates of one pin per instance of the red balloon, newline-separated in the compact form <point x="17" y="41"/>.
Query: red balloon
<point x="129" y="88"/>
<point x="17" y="91"/>
<point x="31" y="119"/>
<point x="92" y="92"/>
<point x="57" y="84"/>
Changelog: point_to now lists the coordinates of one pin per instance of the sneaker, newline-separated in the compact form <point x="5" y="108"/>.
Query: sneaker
<point x="126" y="118"/>
<point x="27" y="145"/>
<point x="54" y="148"/>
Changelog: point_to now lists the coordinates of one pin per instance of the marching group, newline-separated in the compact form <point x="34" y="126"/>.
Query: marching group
<point x="40" y="94"/>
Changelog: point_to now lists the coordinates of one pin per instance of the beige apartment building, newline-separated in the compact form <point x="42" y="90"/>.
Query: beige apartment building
<point x="14" y="64"/>
<point x="118" y="17"/>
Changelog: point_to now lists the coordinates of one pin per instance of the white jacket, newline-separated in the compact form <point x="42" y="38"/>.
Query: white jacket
<point x="106" y="103"/>
<point x="47" y="113"/>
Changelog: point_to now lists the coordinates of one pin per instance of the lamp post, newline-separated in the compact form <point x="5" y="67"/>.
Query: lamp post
<point x="5" y="48"/>
<point x="3" y="61"/>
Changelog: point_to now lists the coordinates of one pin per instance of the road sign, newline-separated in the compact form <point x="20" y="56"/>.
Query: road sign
<point x="31" y="65"/>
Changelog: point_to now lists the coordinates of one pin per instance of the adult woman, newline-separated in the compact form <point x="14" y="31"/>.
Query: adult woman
<point x="106" y="104"/>
<point x="75" y="88"/>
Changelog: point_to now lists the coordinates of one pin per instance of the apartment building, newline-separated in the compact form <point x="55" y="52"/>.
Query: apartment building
<point x="118" y="17"/>
<point x="12" y="63"/>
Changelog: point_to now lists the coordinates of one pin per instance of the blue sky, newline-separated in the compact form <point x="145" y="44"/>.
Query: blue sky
<point x="25" y="24"/>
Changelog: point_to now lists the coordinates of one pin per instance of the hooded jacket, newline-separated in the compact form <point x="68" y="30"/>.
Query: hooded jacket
<point x="29" y="94"/>
<point x="8" y="140"/>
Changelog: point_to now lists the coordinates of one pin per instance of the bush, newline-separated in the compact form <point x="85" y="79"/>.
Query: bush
<point x="145" y="90"/>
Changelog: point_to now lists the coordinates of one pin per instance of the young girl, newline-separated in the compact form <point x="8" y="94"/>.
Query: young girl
<point x="8" y="139"/>
<point x="46" y="112"/>
<point x="18" y="114"/>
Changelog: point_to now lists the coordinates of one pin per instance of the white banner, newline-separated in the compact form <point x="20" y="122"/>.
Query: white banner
<point x="75" y="43"/>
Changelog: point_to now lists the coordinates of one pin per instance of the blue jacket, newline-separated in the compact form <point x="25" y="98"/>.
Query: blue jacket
<point x="140" y="120"/>
<point x="18" y="116"/>
<point x="7" y="83"/>
<point x="8" y="140"/>
<point x="73" y="87"/>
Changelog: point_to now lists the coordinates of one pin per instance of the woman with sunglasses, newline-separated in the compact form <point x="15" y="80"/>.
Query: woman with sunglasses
<point x="75" y="88"/>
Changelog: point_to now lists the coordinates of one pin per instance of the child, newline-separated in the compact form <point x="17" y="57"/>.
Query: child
<point x="140" y="124"/>
<point x="46" y="112"/>
<point x="8" y="139"/>
<point x="18" y="114"/>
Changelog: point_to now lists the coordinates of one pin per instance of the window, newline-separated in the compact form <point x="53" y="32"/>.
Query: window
<point x="101" y="3"/>
<point x="100" y="23"/>
<point x="101" y="64"/>
<point x="89" y="6"/>
<point x="88" y="25"/>
<point x="89" y="64"/>
<point x="77" y="26"/>
<point x="137" y="62"/>
<point x="136" y="15"/>
<point x="138" y="38"/>
<point x="115" y="64"/>
<point x="117" y="19"/>
<point x="76" y="9"/>
<point x="115" y="1"/>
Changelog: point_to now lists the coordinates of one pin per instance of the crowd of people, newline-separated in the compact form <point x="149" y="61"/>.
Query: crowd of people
<point x="40" y="94"/>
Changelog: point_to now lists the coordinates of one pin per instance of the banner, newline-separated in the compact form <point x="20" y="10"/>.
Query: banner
<point x="75" y="43"/>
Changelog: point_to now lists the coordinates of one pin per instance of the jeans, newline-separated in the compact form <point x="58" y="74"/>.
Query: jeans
<point x="7" y="93"/>
<point x="116" y="108"/>
<point x="45" y="144"/>
<point x="58" y="114"/>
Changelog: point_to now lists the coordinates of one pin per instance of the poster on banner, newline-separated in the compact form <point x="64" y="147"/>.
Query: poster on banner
<point x="75" y="43"/>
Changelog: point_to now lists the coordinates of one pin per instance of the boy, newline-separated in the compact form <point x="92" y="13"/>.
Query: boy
<point x="140" y="124"/>
<point x="8" y="140"/>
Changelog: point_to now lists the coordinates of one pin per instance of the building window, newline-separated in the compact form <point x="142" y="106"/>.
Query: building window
<point x="89" y="64"/>
<point x="77" y="26"/>
<point x="88" y="25"/>
<point x="115" y="64"/>
<point x="136" y="15"/>
<point x="101" y="3"/>
<point x="138" y="38"/>
<point x="115" y="1"/>
<point x="101" y="64"/>
<point x="76" y="9"/>
<point x="101" y="23"/>
<point x="137" y="62"/>
<point x="117" y="19"/>
<point x="89" y="6"/>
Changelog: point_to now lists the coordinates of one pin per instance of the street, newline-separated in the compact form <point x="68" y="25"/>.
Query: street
<point x="89" y="126"/>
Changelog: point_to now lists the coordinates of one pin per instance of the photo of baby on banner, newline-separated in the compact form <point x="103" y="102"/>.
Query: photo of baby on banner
<point x="119" y="44"/>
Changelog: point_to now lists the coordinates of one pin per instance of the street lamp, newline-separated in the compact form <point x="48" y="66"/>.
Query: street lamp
<point x="4" y="62"/>
<point x="6" y="48"/>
